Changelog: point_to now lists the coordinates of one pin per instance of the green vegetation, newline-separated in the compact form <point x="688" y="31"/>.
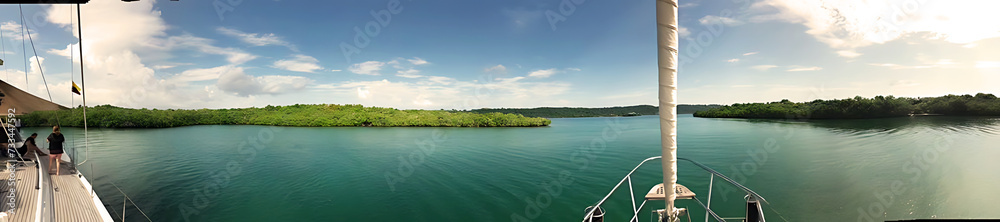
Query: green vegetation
<point x="294" y="115"/>
<point x="563" y="112"/>
<point x="981" y="104"/>
<point x="689" y="109"/>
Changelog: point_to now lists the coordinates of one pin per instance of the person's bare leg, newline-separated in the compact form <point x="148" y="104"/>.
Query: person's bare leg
<point x="57" y="164"/>
<point x="50" y="163"/>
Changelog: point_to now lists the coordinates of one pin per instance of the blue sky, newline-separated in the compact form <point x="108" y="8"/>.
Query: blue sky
<point x="473" y="54"/>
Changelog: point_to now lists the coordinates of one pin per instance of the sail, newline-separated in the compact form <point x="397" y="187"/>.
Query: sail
<point x="666" y="22"/>
<point x="23" y="102"/>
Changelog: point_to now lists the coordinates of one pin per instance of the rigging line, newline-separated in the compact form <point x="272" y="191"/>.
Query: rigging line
<point x="39" y="62"/>
<point x="24" y="51"/>
<point x="72" y="66"/>
<point x="72" y="101"/>
<point x="3" y="46"/>
<point x="130" y="200"/>
<point x="776" y="212"/>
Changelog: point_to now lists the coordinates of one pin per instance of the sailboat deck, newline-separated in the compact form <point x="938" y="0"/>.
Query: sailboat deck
<point x="66" y="193"/>
<point x="72" y="201"/>
<point x="25" y="194"/>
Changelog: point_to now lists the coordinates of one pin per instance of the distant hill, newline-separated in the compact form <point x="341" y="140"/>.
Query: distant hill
<point x="563" y="112"/>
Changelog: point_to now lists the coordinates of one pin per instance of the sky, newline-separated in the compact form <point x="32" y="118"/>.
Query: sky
<point x="452" y="54"/>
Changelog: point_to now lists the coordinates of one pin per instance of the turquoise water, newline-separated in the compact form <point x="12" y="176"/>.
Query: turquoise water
<point x="941" y="167"/>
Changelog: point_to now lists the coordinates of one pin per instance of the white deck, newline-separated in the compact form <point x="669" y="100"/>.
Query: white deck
<point x="66" y="197"/>
<point x="25" y="194"/>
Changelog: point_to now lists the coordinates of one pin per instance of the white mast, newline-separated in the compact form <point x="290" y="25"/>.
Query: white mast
<point x="666" y="30"/>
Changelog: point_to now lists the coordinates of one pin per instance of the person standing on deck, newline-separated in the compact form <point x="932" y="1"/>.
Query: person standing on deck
<point x="55" y="140"/>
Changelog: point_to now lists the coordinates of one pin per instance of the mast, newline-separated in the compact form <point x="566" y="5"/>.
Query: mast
<point x="666" y="30"/>
<point x="79" y="28"/>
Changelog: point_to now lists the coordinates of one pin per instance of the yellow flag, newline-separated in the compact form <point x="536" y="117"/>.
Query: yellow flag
<point x="76" y="89"/>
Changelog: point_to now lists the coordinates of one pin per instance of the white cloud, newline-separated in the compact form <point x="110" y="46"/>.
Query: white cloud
<point x="763" y="67"/>
<point x="236" y="82"/>
<point x="117" y="75"/>
<point x="367" y="68"/>
<point x="904" y="83"/>
<point x="233" y="55"/>
<point x="171" y="65"/>
<point x="422" y="102"/>
<point x="257" y="39"/>
<point x="848" y="53"/>
<point x="13" y="30"/>
<point x="395" y="63"/>
<point x="574" y="69"/>
<point x="942" y="63"/>
<point x="711" y="19"/>
<point x="143" y="26"/>
<point x="441" y="80"/>
<point x="800" y="69"/>
<point x="987" y="64"/>
<point x="498" y="68"/>
<point x="67" y="52"/>
<point x="409" y="73"/>
<point x="733" y="60"/>
<point x="750" y="53"/>
<point x="194" y="75"/>
<point x="35" y="62"/>
<point x="418" y="61"/>
<point x="542" y="73"/>
<point x="299" y="63"/>
<point x="510" y="80"/>
<point x="852" y="24"/>
<point x="363" y="93"/>
<point x="890" y="65"/>
<point x="335" y="70"/>
<point x="683" y="32"/>
<point x="443" y="92"/>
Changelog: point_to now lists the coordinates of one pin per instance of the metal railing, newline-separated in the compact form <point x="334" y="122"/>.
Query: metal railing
<point x="124" y="204"/>
<point x="628" y="177"/>
<point x="751" y="195"/>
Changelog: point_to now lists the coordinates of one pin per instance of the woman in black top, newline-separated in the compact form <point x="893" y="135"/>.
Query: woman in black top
<point x="55" y="148"/>
<point x="30" y="145"/>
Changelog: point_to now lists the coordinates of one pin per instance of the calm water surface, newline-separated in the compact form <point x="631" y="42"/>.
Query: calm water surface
<point x="940" y="167"/>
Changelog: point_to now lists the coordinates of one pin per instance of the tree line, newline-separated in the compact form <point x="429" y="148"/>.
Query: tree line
<point x="981" y="104"/>
<point x="292" y="115"/>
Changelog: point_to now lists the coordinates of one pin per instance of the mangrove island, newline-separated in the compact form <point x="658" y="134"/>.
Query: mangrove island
<point x="293" y="115"/>
<point x="982" y="104"/>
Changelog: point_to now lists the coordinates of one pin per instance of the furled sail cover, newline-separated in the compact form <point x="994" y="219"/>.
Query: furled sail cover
<point x="22" y="102"/>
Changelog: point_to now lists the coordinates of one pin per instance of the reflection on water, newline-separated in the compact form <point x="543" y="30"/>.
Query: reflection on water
<point x="845" y="170"/>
